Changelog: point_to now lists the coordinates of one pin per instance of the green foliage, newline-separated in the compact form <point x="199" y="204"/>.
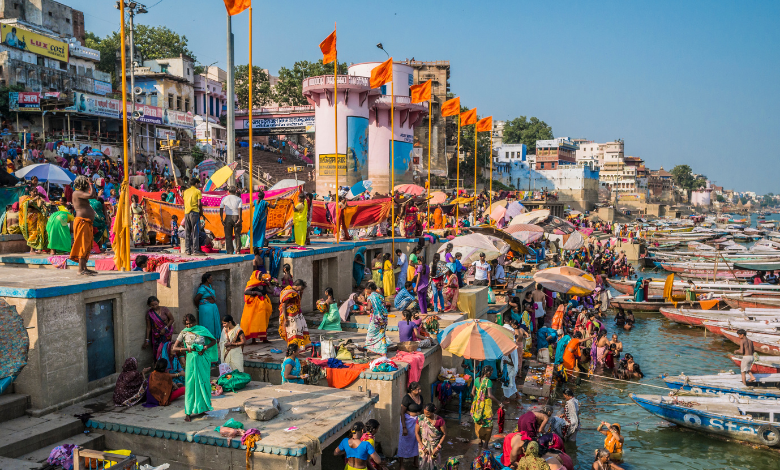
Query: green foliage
<point x="526" y="131"/>
<point x="261" y="87"/>
<point x="197" y="155"/>
<point x="484" y="151"/>
<point x="682" y="175"/>
<point x="289" y="89"/>
<point x="743" y="200"/>
<point x="768" y="200"/>
<point x="151" y="42"/>
<point x="4" y="90"/>
<point x="720" y="198"/>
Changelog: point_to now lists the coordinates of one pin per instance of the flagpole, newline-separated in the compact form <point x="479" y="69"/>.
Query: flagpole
<point x="457" y="178"/>
<point x="490" y="195"/>
<point x="126" y="195"/>
<point x="251" y="137"/>
<point x="392" y="155"/>
<point x="474" y="204"/>
<point x="336" y="139"/>
<point x="430" y="118"/>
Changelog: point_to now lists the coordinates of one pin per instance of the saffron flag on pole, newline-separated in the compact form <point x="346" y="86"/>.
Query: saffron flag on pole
<point x="485" y="124"/>
<point x="468" y="117"/>
<point x="328" y="48"/>
<point x="235" y="7"/>
<point x="451" y="107"/>
<point x="422" y="92"/>
<point x="382" y="73"/>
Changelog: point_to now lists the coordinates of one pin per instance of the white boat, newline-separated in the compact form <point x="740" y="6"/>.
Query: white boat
<point x="766" y="387"/>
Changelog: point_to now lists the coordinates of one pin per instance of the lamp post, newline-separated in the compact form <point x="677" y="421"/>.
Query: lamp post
<point x="133" y="8"/>
<point x="380" y="46"/>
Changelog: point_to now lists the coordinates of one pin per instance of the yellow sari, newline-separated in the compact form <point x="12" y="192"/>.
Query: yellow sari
<point x="301" y="222"/>
<point x="388" y="279"/>
<point x="32" y="221"/>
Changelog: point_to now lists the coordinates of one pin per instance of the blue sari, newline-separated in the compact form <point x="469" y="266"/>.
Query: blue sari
<point x="561" y="348"/>
<point x="296" y="370"/>
<point x="359" y="271"/>
<point x="208" y="313"/>
<point x="376" y="338"/>
<point x="260" y="220"/>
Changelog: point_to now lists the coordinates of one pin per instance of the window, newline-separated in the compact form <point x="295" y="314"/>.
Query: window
<point x="186" y="106"/>
<point x="40" y="61"/>
<point x="170" y="101"/>
<point x="67" y="20"/>
<point x="178" y="102"/>
<point x="164" y="68"/>
<point x="50" y="14"/>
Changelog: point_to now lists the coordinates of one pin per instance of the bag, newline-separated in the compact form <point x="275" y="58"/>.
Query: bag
<point x="328" y="349"/>
<point x="234" y="381"/>
<point x="344" y="354"/>
<point x="491" y="296"/>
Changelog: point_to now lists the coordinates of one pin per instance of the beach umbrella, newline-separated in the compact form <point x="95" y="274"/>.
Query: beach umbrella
<point x="220" y="177"/>
<point x="411" y="189"/>
<point x="470" y="246"/>
<point x="502" y="203"/>
<point x="16" y="344"/>
<point x="438" y="197"/>
<point x="359" y="188"/>
<point x="514" y="244"/>
<point x="575" y="241"/>
<point x="514" y="209"/>
<point x="497" y="213"/>
<point x="287" y="183"/>
<point x="533" y="217"/>
<point x="566" y="280"/>
<point x="526" y="233"/>
<point x="478" y="339"/>
<point x="46" y="172"/>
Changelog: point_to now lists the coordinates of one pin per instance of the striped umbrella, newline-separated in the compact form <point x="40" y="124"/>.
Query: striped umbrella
<point x="566" y="280"/>
<point x="478" y="339"/>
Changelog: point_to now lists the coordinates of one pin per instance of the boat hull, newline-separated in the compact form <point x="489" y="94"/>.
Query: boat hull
<point x="655" y="306"/>
<point x="753" y="302"/>
<point x="759" y="367"/>
<point x="714" y="390"/>
<point x="699" y="420"/>
<point x="758" y="344"/>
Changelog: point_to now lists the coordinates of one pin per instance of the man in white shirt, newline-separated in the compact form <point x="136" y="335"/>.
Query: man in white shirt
<point x="401" y="262"/>
<point x="481" y="271"/>
<point x="230" y="214"/>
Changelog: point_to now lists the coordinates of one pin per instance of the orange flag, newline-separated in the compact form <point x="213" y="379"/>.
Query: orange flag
<point x="468" y="117"/>
<point x="485" y="124"/>
<point x="451" y="107"/>
<point x="328" y="48"/>
<point x="422" y="92"/>
<point x="382" y="73"/>
<point x="235" y="7"/>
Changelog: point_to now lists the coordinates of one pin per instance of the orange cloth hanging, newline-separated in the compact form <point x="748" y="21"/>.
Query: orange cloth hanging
<point x="341" y="378"/>
<point x="708" y="304"/>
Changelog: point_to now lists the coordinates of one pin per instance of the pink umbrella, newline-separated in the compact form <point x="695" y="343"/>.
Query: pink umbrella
<point x="526" y="233"/>
<point x="497" y="213"/>
<point x="411" y="189"/>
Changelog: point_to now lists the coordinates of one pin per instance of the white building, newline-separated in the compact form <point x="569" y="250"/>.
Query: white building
<point x="498" y="133"/>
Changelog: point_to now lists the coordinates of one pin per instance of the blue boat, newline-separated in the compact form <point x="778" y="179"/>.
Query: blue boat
<point x="742" y="419"/>
<point x="727" y="383"/>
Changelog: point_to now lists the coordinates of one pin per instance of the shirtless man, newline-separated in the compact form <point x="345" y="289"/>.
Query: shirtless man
<point x="746" y="351"/>
<point x="83" y="235"/>
<point x="539" y="301"/>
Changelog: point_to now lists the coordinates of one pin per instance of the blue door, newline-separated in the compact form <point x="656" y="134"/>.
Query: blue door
<point x="100" y="339"/>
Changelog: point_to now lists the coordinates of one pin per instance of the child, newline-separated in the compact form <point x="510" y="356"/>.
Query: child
<point x="174" y="231"/>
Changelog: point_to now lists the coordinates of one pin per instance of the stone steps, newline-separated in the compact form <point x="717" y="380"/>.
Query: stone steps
<point x="21" y="436"/>
<point x="15" y="464"/>
<point x="12" y="406"/>
<point x="93" y="440"/>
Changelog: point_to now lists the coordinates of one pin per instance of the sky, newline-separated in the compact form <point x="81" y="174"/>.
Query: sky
<point x="694" y="82"/>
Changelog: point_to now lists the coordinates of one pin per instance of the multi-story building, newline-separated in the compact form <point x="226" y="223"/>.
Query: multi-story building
<point x="660" y="187"/>
<point x="211" y="100"/>
<point x="596" y="155"/>
<point x="553" y="153"/>
<point x="498" y="133"/>
<point x="439" y="73"/>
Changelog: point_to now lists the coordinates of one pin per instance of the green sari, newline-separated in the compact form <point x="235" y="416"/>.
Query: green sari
<point x="331" y="320"/>
<point x="58" y="231"/>
<point x="99" y="224"/>
<point x="197" y="375"/>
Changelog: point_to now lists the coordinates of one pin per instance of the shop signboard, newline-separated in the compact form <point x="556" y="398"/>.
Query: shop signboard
<point x="327" y="165"/>
<point x="150" y="114"/>
<point x="102" y="88"/>
<point x="166" y="134"/>
<point x="96" y="105"/>
<point x="20" y="38"/>
<point x="181" y="119"/>
<point x="24" y="101"/>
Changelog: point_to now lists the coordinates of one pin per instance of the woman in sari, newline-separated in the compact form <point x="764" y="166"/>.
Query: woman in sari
<point x="206" y="300"/>
<point x="58" y="232"/>
<point x="162" y="389"/>
<point x="438" y="219"/>
<point x="99" y="224"/>
<point x="138" y="228"/>
<point x="431" y="432"/>
<point x="300" y="220"/>
<point x="231" y="344"/>
<point x="482" y="406"/>
<point x="331" y="321"/>
<point x="359" y="266"/>
<point x="531" y="459"/>
<point x="639" y="292"/>
<point x="291" y="366"/>
<point x="376" y="338"/>
<point x="32" y="221"/>
<point x="572" y="352"/>
<point x="376" y="269"/>
<point x="200" y="346"/>
<point x="451" y="288"/>
<point x="260" y="219"/>
<point x="159" y="325"/>
<point x="292" y="324"/>
<point x="257" y="307"/>
<point x="128" y="383"/>
<point x="388" y="279"/>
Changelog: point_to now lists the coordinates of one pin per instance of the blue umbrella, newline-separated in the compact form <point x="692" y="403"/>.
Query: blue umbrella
<point x="46" y="172"/>
<point x="360" y="187"/>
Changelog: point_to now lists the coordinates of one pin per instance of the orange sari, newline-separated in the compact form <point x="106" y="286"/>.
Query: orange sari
<point x="257" y="311"/>
<point x="571" y="354"/>
<point x="438" y="219"/>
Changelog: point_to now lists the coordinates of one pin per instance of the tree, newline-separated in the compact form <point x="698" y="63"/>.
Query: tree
<point x="720" y="198"/>
<point x="289" y="88"/>
<point x="484" y="150"/>
<point x="524" y="131"/>
<point x="261" y="94"/>
<point x="151" y="42"/>
<point x="684" y="179"/>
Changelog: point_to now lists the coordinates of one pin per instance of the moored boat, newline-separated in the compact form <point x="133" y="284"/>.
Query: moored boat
<point x="728" y="382"/>
<point x="679" y="287"/>
<point x="762" y="366"/>
<point x="753" y="421"/>
<point x="654" y="303"/>
<point x="750" y="326"/>
<point x="767" y="344"/>
<point x="697" y="317"/>
<point x="753" y="302"/>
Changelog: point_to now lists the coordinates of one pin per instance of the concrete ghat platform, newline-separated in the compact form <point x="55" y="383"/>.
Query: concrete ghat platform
<point x="322" y="415"/>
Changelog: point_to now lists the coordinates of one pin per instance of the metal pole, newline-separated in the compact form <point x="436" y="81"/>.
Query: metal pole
<point x="132" y="91"/>
<point x="231" y="111"/>
<point x="251" y="137"/>
<point x="125" y="194"/>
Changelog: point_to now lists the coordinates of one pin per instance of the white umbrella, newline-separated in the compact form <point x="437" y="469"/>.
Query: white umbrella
<point x="47" y="172"/>
<point x="470" y="246"/>
<point x="287" y="183"/>
<point x="531" y="218"/>
<point x="513" y="209"/>
<point x="575" y="241"/>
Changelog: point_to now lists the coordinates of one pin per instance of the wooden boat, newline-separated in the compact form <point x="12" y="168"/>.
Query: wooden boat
<point x="743" y="419"/>
<point x="766" y="387"/>
<point x="679" y="287"/>
<point x="762" y="366"/>
<point x="753" y="302"/>
<point x="758" y="265"/>
<point x="719" y="327"/>
<point x="653" y="304"/>
<point x="705" y="270"/>
<point x="697" y="317"/>
<point x="767" y="344"/>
